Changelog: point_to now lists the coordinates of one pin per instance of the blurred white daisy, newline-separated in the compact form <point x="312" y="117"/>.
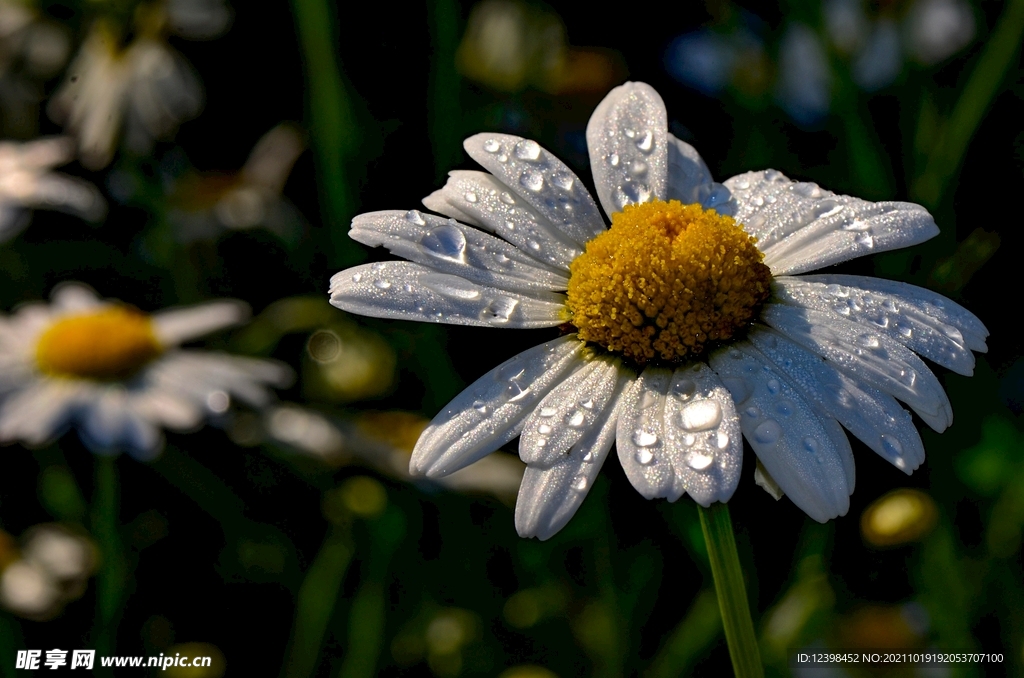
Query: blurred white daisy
<point x="144" y="87"/>
<point x="117" y="374"/>
<point x="204" y="206"/>
<point x="50" y="570"/>
<point x="692" y="328"/>
<point x="27" y="182"/>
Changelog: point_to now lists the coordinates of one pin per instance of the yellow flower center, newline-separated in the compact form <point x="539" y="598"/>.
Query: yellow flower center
<point x="108" y="344"/>
<point x="666" y="282"/>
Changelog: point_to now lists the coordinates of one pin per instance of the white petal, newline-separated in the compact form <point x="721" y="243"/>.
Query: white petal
<point x="874" y="417"/>
<point x="399" y="290"/>
<point x="178" y="325"/>
<point x="486" y="202"/>
<point x="491" y="411"/>
<point x="689" y="180"/>
<point x="542" y="180"/>
<point x="110" y="425"/>
<point x="572" y="409"/>
<point x="702" y="436"/>
<point x="627" y="138"/>
<point x="450" y="247"/>
<point x="935" y="340"/>
<point x="923" y="301"/>
<point x="167" y="409"/>
<point x="801" y="227"/>
<point x="549" y="497"/>
<point x="74" y="297"/>
<point x="202" y="375"/>
<point x="40" y="411"/>
<point x="640" y="436"/>
<point x="808" y="455"/>
<point x="873" y="358"/>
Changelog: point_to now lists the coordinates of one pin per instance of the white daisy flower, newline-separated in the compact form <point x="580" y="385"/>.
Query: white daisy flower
<point x="692" y="328"/>
<point x="26" y="182"/>
<point x="117" y="374"/>
<point x="145" y="87"/>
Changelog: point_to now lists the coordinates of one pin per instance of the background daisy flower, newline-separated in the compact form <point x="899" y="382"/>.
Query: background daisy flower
<point x="26" y="182"/>
<point x="672" y="370"/>
<point x="117" y="374"/>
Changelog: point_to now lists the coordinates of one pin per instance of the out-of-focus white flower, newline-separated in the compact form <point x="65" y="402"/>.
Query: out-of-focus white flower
<point x="938" y="29"/>
<point x="27" y="182"/>
<point x="204" y="206"/>
<point x="146" y="88"/>
<point x="880" y="61"/>
<point x="804" y="87"/>
<point x="51" y="569"/>
<point x="117" y="374"/>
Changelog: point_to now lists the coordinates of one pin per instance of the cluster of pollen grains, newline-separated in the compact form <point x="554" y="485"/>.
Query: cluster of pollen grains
<point x="666" y="281"/>
<point x="111" y="343"/>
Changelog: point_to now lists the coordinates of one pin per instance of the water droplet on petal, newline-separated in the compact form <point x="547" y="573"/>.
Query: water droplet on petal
<point x="722" y="440"/>
<point x="532" y="180"/>
<point x="527" y="149"/>
<point x="446" y="242"/>
<point x="588" y="404"/>
<point x="613" y="159"/>
<point x="382" y="284"/>
<point x="701" y="415"/>
<point x="507" y="198"/>
<point x="563" y="180"/>
<point x="576" y="420"/>
<point x="644" y="457"/>
<point x="544" y="429"/>
<point x="773" y="386"/>
<point x="499" y="310"/>
<point x="646" y="142"/>
<point x="891" y="445"/>
<point x="492" y="146"/>
<point x="644" y="438"/>
<point x="415" y="217"/>
<point x="471" y="197"/>
<point x="699" y="461"/>
<point x="579" y="483"/>
<point x="357" y="277"/>
<point x="547" y="411"/>
<point x="684" y="388"/>
<point x="480" y="406"/>
<point x="767" y="432"/>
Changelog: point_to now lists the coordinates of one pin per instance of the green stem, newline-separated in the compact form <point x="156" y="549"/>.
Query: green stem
<point x="732" y="594"/>
<point x="111" y="576"/>
<point x="982" y="86"/>
<point x="316" y="600"/>
<point x="331" y="120"/>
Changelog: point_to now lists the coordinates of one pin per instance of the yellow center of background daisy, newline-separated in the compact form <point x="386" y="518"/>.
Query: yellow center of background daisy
<point x="666" y="281"/>
<point x="108" y="344"/>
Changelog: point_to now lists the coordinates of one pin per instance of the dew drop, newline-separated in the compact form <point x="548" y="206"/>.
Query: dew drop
<point x="638" y="168"/>
<point x="532" y="180"/>
<point x="644" y="457"/>
<point x="784" y="407"/>
<point x="588" y="404"/>
<point x="499" y="310"/>
<point x="649" y="399"/>
<point x="767" y="432"/>
<point x="699" y="461"/>
<point x="646" y="142"/>
<point x="589" y="456"/>
<point x="446" y="242"/>
<point x="527" y="149"/>
<point x="492" y="146"/>
<point x="544" y="429"/>
<point x="906" y="332"/>
<point x="416" y="217"/>
<point x="563" y="180"/>
<point x="865" y="240"/>
<point x="541" y="442"/>
<point x="579" y="483"/>
<point x="701" y="415"/>
<point x="773" y="386"/>
<point x="576" y="420"/>
<point x="480" y="406"/>
<point x="503" y="158"/>
<point x="810" y="444"/>
<point x="722" y="440"/>
<point x="381" y="283"/>
<point x="689" y="439"/>
<point x="547" y="411"/>
<point x="752" y="412"/>
<point x="357" y="277"/>
<point x="644" y="438"/>
<point x="514" y="391"/>
<point x="868" y="341"/>
<point x="470" y="197"/>
<point x="891" y="446"/>
<point x="613" y="159"/>
<point x="507" y="198"/>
